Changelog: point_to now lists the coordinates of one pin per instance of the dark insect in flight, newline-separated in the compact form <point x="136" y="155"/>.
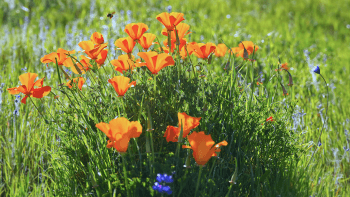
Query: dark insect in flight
<point x="110" y="15"/>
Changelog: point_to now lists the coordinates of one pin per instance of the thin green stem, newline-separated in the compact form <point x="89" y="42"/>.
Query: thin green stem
<point x="125" y="175"/>
<point x="319" y="138"/>
<point x="37" y="108"/>
<point x="58" y="72"/>
<point x="198" y="181"/>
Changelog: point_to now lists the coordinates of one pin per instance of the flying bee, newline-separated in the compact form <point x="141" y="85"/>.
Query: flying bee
<point x="110" y="15"/>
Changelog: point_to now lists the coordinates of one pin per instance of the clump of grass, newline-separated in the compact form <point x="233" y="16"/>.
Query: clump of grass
<point x="258" y="150"/>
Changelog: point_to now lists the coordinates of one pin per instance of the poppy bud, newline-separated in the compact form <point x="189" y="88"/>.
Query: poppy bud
<point x="234" y="176"/>
<point x="148" y="149"/>
<point x="210" y="58"/>
<point x="284" y="90"/>
<point x="227" y="65"/>
<point x="177" y="38"/>
<point x="188" y="161"/>
<point x="245" y="53"/>
<point x="181" y="133"/>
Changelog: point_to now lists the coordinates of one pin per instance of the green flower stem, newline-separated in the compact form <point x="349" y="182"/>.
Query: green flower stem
<point x="148" y="153"/>
<point x="229" y="190"/>
<point x="123" y="105"/>
<point x="58" y="72"/>
<point x="252" y="85"/>
<point x="59" y="100"/>
<point x="125" y="175"/>
<point x="155" y="86"/>
<point x="113" y="69"/>
<point x="182" y="183"/>
<point x="178" y="148"/>
<point x="37" y="108"/>
<point x="48" y="111"/>
<point x="198" y="181"/>
<point x="169" y="41"/>
<point x="151" y="138"/>
<point x="319" y="138"/>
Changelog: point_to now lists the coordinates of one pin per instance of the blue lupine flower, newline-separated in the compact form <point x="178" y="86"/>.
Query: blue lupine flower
<point x="164" y="178"/>
<point x="317" y="70"/>
<point x="162" y="188"/>
<point x="169" y="8"/>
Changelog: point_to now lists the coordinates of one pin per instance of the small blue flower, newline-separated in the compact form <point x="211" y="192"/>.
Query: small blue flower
<point x="164" y="178"/>
<point x="317" y="70"/>
<point x="169" y="8"/>
<point x="319" y="143"/>
<point x="167" y="190"/>
<point x="162" y="188"/>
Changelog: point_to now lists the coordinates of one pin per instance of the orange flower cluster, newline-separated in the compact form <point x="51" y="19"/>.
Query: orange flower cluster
<point x="94" y="49"/>
<point x="121" y="130"/>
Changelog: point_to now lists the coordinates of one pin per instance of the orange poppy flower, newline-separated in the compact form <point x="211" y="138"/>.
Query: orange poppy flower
<point x="164" y="49"/>
<point x="202" y="50"/>
<point x="136" y="30"/>
<point x="97" y="38"/>
<point x="124" y="63"/>
<point x="269" y="119"/>
<point x="121" y="84"/>
<point x="101" y="58"/>
<point x="125" y="44"/>
<point x="78" y="80"/>
<point x="60" y="55"/>
<point x="189" y="51"/>
<point x="170" y="20"/>
<point x="172" y="133"/>
<point x="120" y="131"/>
<point x="146" y="40"/>
<point x="155" y="62"/>
<point x="203" y="147"/>
<point x="94" y="52"/>
<point x="28" y="87"/>
<point x="285" y="66"/>
<point x="248" y="46"/>
<point x="181" y="29"/>
<point x="183" y="42"/>
<point x="220" y="50"/>
<point x="82" y="68"/>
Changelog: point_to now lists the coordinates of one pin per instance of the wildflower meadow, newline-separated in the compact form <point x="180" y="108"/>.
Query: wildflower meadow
<point x="174" y="98"/>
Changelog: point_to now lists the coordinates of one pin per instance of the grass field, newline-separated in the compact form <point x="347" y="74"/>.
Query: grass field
<point x="66" y="155"/>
